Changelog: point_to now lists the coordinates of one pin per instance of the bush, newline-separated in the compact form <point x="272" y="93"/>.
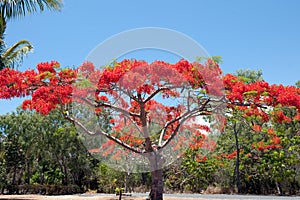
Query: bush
<point x="47" y="189"/>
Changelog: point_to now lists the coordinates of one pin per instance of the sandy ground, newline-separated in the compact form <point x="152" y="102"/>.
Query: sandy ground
<point x="81" y="197"/>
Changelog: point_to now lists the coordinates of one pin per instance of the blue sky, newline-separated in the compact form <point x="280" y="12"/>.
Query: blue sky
<point x="247" y="34"/>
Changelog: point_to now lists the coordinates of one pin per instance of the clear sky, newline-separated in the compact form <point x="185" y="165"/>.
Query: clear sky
<point x="256" y="34"/>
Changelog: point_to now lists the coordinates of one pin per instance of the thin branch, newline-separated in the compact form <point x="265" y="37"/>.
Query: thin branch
<point x="247" y="104"/>
<point x="174" y="133"/>
<point x="183" y="117"/>
<point x="125" y="112"/>
<point x="128" y="93"/>
<point x="159" y="90"/>
<point x="118" y="141"/>
<point x="155" y="93"/>
<point x="103" y="104"/>
<point x="135" y="124"/>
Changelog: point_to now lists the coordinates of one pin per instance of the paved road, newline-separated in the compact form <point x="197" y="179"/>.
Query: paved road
<point x="234" y="197"/>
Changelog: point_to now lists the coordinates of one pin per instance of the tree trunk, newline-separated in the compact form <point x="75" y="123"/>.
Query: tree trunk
<point x="28" y="172"/>
<point x="157" y="185"/>
<point x="127" y="174"/>
<point x="237" y="163"/>
<point x="120" y="195"/>
<point x="154" y="157"/>
<point x="14" y="175"/>
<point x="279" y="189"/>
<point x="66" y="180"/>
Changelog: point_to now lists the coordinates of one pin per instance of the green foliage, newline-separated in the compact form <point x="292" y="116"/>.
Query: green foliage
<point x="298" y="84"/>
<point x="15" y="8"/>
<point x="217" y="59"/>
<point x="105" y="175"/>
<point x="119" y="190"/>
<point x="48" y="189"/>
<point x="263" y="171"/>
<point x="249" y="76"/>
<point x="42" y="150"/>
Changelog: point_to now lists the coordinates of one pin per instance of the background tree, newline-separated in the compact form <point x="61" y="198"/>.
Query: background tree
<point x="258" y="120"/>
<point x="10" y="57"/>
<point x="249" y="76"/>
<point x="235" y="121"/>
<point x="42" y="150"/>
<point x="298" y="84"/>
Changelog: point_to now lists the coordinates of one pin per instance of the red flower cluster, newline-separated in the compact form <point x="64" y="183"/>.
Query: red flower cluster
<point x="261" y="93"/>
<point x="280" y="117"/>
<point x="274" y="144"/>
<point x="132" y="86"/>
<point x="232" y="155"/>
<point x="200" y="158"/>
<point x="47" y="87"/>
<point x="257" y="128"/>
<point x="227" y="156"/>
<point x="145" y="78"/>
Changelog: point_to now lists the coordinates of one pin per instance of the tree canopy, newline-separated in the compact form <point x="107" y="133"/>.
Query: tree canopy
<point x="152" y="106"/>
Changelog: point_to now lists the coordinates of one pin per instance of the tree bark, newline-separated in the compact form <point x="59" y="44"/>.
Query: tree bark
<point x="237" y="163"/>
<point x="157" y="185"/>
<point x="127" y="174"/>
<point x="66" y="179"/>
<point x="14" y="175"/>
<point x="279" y="189"/>
<point x="28" y="172"/>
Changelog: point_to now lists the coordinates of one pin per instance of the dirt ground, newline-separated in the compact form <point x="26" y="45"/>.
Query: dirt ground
<point x="81" y="197"/>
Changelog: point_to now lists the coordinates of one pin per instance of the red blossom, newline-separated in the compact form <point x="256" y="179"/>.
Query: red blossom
<point x="280" y="117"/>
<point x="52" y="87"/>
<point x="257" y="128"/>
<point x="200" y="158"/>
<point x="232" y="155"/>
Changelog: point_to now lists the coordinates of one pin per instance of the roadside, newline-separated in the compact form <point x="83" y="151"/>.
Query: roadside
<point x="140" y="196"/>
<point x="81" y="197"/>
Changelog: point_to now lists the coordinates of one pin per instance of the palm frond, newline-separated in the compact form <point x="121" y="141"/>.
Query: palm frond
<point x="2" y="27"/>
<point x="14" y="55"/>
<point x="19" y="8"/>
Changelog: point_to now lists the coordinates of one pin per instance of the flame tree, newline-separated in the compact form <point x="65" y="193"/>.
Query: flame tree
<point x="154" y="109"/>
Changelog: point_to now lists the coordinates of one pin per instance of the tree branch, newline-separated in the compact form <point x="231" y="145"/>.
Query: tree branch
<point x="103" y="104"/>
<point x="118" y="141"/>
<point x="159" y="90"/>
<point x="247" y="104"/>
<point x="182" y="117"/>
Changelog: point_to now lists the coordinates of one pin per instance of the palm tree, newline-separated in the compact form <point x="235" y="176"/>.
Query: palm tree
<point x="18" y="8"/>
<point x="12" y="56"/>
<point x="9" y="9"/>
